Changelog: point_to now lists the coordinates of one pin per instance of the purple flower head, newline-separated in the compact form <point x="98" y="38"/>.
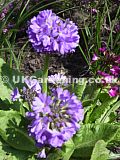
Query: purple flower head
<point x="55" y="118"/>
<point x="15" y="94"/>
<point x="48" y="33"/>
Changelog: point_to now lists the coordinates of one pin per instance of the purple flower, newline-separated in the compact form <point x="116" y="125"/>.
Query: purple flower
<point x="115" y="70"/>
<point x="116" y="59"/>
<point x="103" y="73"/>
<point x="113" y="92"/>
<point x="95" y="57"/>
<point x="94" y="11"/>
<point x="117" y="27"/>
<point x="15" y="94"/>
<point x="55" y="118"/>
<point x="48" y="33"/>
<point x="41" y="154"/>
<point x="33" y="84"/>
<point x="102" y="49"/>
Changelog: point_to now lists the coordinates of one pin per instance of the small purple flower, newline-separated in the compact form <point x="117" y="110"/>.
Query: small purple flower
<point x="5" y="30"/>
<point x="94" y="11"/>
<point x="41" y="154"/>
<point x="115" y="70"/>
<point x="116" y="59"/>
<point x="113" y="92"/>
<point x="48" y="33"/>
<point x="95" y="57"/>
<point x="117" y="27"/>
<point x="15" y="94"/>
<point x="33" y="84"/>
<point x="107" y="78"/>
<point x="101" y="73"/>
<point x="102" y="49"/>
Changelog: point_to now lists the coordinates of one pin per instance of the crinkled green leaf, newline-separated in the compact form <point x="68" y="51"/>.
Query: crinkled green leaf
<point x="100" y="111"/>
<point x="9" y="153"/>
<point x="89" y="134"/>
<point x="80" y="87"/>
<point x="91" y="92"/>
<point x="100" y="152"/>
<point x="13" y="130"/>
<point x="9" y="79"/>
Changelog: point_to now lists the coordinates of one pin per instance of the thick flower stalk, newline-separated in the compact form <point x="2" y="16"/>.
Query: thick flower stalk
<point x="55" y="118"/>
<point x="48" y="33"/>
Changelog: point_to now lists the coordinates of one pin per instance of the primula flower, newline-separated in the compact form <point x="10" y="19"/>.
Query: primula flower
<point x="55" y="117"/>
<point x="48" y="33"/>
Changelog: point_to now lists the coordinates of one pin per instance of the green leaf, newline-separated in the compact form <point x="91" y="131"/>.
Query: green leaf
<point x="99" y="112"/>
<point x="4" y="90"/>
<point x="100" y="152"/>
<point x="56" y="154"/>
<point x="110" y="112"/>
<point x="9" y="79"/>
<point x="79" y="88"/>
<point x="9" y="153"/>
<point x="38" y="74"/>
<point x="91" y="92"/>
<point x="116" y="139"/>
<point x="68" y="149"/>
<point x="13" y="131"/>
<point x="89" y="134"/>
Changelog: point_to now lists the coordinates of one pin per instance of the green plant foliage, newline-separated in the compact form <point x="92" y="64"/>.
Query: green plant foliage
<point x="13" y="131"/>
<point x="89" y="134"/>
<point x="100" y="152"/>
<point x="68" y="149"/>
<point x="8" y="77"/>
<point x="9" y="153"/>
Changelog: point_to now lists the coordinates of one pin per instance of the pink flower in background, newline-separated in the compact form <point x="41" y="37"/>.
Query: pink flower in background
<point x="113" y="92"/>
<point x="102" y="49"/>
<point x="115" y="70"/>
<point x="95" y="57"/>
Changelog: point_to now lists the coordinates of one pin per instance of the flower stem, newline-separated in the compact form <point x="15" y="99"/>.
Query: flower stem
<point x="45" y="73"/>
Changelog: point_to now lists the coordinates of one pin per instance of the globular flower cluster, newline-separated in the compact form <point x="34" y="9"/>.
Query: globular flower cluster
<point x="110" y="74"/>
<point x="55" y="118"/>
<point x="48" y="33"/>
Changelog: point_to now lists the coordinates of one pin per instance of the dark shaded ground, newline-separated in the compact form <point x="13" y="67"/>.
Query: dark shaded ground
<point x="72" y="65"/>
